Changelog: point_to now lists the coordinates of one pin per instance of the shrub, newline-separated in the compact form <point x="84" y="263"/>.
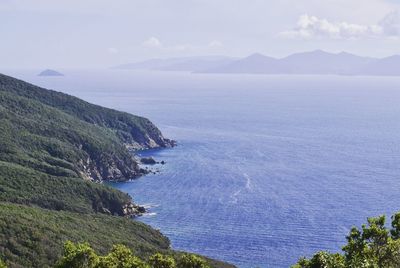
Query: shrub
<point x="191" y="261"/>
<point x="373" y="246"/>
<point x="161" y="261"/>
<point x="81" y="255"/>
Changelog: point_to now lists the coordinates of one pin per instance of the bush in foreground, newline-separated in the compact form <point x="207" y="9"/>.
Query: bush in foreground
<point x="374" y="246"/>
<point x="81" y="255"/>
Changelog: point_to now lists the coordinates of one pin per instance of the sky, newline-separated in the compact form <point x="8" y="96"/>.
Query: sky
<point x="104" y="33"/>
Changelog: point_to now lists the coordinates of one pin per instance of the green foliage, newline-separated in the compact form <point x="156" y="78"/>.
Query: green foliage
<point x="83" y="256"/>
<point x="78" y="256"/>
<point x="24" y="185"/>
<point x="2" y="264"/>
<point x="191" y="261"/>
<point x="128" y="128"/>
<point x="42" y="147"/>
<point x="374" y="246"/>
<point x="162" y="261"/>
<point x="34" y="237"/>
<point x="322" y="260"/>
<point x="121" y="257"/>
<point x="47" y="137"/>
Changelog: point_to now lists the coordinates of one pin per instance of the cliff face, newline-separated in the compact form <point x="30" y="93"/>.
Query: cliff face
<point x="64" y="136"/>
<point x="108" y="169"/>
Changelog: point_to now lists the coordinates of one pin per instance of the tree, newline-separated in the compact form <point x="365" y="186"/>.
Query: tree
<point x="121" y="257"/>
<point x="374" y="246"/>
<point x="161" y="261"/>
<point x="2" y="264"/>
<point x="322" y="259"/>
<point x="191" y="261"/>
<point x="79" y="255"/>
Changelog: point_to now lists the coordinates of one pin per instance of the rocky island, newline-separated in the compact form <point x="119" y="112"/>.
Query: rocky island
<point x="49" y="72"/>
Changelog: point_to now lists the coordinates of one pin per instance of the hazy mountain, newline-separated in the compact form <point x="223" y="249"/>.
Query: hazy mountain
<point x="321" y="62"/>
<point x="314" y="62"/>
<point x="191" y="64"/>
<point x="49" y="72"/>
<point x="387" y="66"/>
<point x="255" y="63"/>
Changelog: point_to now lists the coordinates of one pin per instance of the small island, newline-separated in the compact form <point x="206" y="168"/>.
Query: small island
<point x="49" y="72"/>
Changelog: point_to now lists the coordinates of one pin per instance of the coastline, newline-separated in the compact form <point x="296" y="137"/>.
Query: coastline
<point x="148" y="165"/>
<point x="63" y="150"/>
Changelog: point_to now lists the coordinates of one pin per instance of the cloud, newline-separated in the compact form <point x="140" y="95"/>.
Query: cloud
<point x="314" y="27"/>
<point x="152" y="42"/>
<point x="391" y="24"/>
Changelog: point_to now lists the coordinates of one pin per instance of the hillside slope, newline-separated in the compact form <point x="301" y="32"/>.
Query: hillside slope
<point x="65" y="136"/>
<point x="52" y="145"/>
<point x="34" y="237"/>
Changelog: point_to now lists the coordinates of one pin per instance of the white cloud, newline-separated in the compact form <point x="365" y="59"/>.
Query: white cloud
<point x="314" y="27"/>
<point x="152" y="42"/>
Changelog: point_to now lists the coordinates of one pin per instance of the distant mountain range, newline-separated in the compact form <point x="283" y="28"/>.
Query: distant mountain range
<point x="313" y="62"/>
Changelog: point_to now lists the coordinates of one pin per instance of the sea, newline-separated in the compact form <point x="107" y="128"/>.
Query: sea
<point x="268" y="168"/>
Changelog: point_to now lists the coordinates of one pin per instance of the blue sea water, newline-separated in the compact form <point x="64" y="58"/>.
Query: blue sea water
<point x="267" y="168"/>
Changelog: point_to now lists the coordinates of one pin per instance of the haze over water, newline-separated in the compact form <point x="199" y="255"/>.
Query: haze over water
<point x="268" y="168"/>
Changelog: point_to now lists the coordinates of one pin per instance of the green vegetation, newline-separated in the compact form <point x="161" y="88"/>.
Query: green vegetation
<point x="34" y="237"/>
<point x="128" y="128"/>
<point x="161" y="261"/>
<point x="25" y="185"/>
<point x="55" y="150"/>
<point x="191" y="261"/>
<point x="50" y="141"/>
<point x="83" y="256"/>
<point x="374" y="246"/>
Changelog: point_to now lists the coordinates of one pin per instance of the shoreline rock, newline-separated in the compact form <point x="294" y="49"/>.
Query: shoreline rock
<point x="148" y="161"/>
<point x="132" y="210"/>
